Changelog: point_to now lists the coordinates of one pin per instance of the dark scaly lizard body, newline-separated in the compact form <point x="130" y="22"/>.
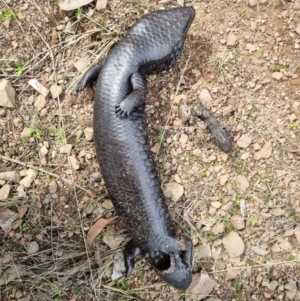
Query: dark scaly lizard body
<point x="219" y="134"/>
<point x="152" y="45"/>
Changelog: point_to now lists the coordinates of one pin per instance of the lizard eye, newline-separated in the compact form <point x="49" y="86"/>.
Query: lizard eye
<point x="160" y="260"/>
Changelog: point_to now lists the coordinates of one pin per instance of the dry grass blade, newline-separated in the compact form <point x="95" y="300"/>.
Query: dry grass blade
<point x="269" y="264"/>
<point x="5" y="158"/>
<point x="103" y="48"/>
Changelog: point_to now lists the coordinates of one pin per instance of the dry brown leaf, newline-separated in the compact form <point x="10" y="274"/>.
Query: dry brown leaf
<point x="13" y="273"/>
<point x="244" y="141"/>
<point x="97" y="228"/>
<point x="201" y="286"/>
<point x="259" y="251"/>
<point x="8" y="257"/>
<point x="112" y="240"/>
<point x="35" y="84"/>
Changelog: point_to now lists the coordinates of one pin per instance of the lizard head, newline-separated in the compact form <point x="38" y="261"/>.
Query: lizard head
<point x="174" y="22"/>
<point x="162" y="34"/>
<point x="171" y="27"/>
<point x="174" y="263"/>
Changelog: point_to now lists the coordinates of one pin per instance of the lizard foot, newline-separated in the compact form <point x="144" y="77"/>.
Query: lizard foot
<point x="121" y="112"/>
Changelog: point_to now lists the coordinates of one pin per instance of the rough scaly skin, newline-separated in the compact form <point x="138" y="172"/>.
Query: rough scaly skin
<point x="152" y="45"/>
<point x="220" y="135"/>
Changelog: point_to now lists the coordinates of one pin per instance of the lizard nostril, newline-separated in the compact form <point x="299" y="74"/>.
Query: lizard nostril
<point x="160" y="260"/>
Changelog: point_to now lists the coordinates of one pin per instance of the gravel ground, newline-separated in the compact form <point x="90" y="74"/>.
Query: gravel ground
<point x="242" y="209"/>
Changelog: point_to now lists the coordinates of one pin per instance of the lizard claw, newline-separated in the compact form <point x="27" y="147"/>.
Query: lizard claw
<point x="120" y="112"/>
<point x="79" y="88"/>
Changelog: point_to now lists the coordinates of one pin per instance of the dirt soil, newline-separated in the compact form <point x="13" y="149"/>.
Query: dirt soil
<point x="242" y="209"/>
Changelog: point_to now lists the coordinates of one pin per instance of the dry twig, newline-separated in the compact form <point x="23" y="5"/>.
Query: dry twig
<point x="5" y="158"/>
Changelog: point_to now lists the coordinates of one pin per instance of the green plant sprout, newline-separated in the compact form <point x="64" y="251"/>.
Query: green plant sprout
<point x="294" y="126"/>
<point x="252" y="220"/>
<point x="79" y="13"/>
<point x="7" y="15"/>
<point x="18" y="68"/>
<point x="35" y="131"/>
<point x="238" y="199"/>
<point x="25" y="226"/>
<point x="60" y="137"/>
<point x="160" y="136"/>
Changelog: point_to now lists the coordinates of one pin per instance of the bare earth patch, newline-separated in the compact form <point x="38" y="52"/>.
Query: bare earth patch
<point x="242" y="209"/>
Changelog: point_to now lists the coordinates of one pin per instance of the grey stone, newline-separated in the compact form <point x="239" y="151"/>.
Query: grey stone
<point x="7" y="218"/>
<point x="88" y="133"/>
<point x="5" y="191"/>
<point x="272" y="285"/>
<point x="238" y="222"/>
<point x="32" y="247"/>
<point x="277" y="75"/>
<point x="297" y="233"/>
<point x="66" y="149"/>
<point x="119" y="266"/>
<point x="43" y="151"/>
<point x="101" y="4"/>
<point x="242" y="182"/>
<point x="297" y="29"/>
<point x="173" y="190"/>
<point x="26" y="133"/>
<point x="183" y="139"/>
<point x="7" y="94"/>
<point x="72" y="4"/>
<point x="234" y="244"/>
<point x="40" y="102"/>
<point x="231" y="39"/>
<point x="55" y="90"/>
<point x="11" y="176"/>
<point x="291" y="286"/>
<point x="205" y="95"/>
<point x="202" y="251"/>
<point x="184" y="111"/>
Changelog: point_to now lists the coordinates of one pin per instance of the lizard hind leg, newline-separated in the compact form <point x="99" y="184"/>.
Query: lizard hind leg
<point x="131" y="253"/>
<point x="135" y="99"/>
